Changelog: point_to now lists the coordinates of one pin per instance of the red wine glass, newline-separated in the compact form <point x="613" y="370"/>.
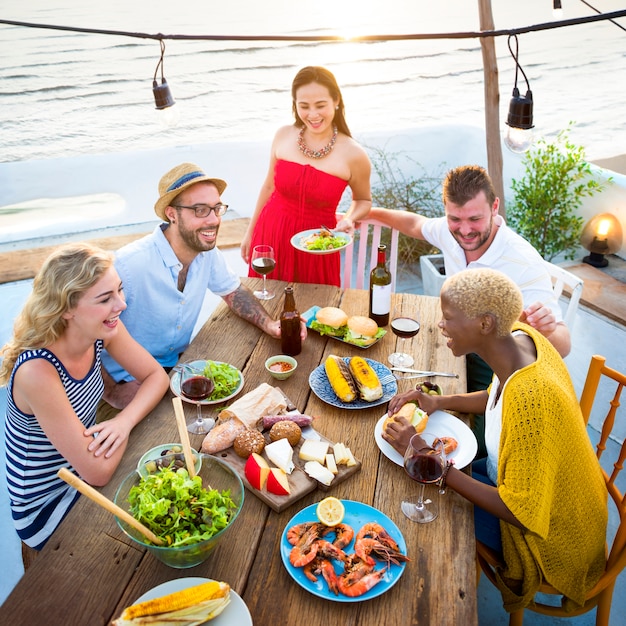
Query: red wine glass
<point x="196" y="385"/>
<point x="263" y="262"/>
<point x="403" y="325"/>
<point x="424" y="465"/>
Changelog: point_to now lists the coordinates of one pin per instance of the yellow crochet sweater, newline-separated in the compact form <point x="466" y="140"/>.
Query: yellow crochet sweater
<point x="550" y="479"/>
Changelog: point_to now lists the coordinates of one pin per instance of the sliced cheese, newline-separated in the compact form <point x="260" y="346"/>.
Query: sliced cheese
<point x="280" y="453"/>
<point x="331" y="464"/>
<point x="320" y="473"/>
<point x="351" y="460"/>
<point x="312" y="450"/>
<point x="341" y="456"/>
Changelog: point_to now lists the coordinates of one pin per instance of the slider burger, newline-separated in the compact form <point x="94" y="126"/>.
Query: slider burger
<point x="361" y="331"/>
<point x="413" y="414"/>
<point x="330" y="321"/>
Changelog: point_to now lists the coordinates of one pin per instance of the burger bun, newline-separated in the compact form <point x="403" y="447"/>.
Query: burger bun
<point x="331" y="316"/>
<point x="413" y="414"/>
<point x="362" y="329"/>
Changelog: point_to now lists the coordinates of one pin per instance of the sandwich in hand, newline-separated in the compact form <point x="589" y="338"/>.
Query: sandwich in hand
<point x="330" y="321"/>
<point x="362" y="331"/>
<point x="413" y="414"/>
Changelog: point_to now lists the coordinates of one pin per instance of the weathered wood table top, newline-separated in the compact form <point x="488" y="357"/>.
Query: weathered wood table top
<point x="89" y="570"/>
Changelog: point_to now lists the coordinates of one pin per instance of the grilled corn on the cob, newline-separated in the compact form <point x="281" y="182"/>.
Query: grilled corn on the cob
<point x="366" y="379"/>
<point x="340" y="378"/>
<point x="188" y="607"/>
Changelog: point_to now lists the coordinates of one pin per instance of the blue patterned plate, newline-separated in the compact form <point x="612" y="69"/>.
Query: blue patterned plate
<point x="357" y="515"/>
<point x="322" y="388"/>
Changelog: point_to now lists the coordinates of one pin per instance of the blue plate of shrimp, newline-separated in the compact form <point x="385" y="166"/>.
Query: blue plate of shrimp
<point x="381" y="575"/>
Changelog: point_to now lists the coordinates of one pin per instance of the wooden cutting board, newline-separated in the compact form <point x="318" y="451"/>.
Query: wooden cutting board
<point x="299" y="481"/>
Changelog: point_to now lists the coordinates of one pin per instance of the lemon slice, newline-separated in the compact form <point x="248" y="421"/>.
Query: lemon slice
<point x="330" y="511"/>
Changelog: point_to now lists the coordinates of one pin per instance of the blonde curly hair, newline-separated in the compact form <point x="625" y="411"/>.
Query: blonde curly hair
<point x="63" y="278"/>
<point x="476" y="292"/>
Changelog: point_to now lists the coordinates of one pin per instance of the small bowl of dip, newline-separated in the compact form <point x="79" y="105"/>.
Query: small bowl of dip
<point x="281" y="366"/>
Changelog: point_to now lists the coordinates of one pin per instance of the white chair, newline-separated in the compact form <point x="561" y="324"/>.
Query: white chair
<point x="363" y="267"/>
<point x="561" y="279"/>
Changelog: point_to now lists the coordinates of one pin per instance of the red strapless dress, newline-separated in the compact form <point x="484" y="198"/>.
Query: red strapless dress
<point x="303" y="198"/>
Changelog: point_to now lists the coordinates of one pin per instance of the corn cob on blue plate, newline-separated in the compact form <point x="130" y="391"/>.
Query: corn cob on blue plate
<point x="319" y="383"/>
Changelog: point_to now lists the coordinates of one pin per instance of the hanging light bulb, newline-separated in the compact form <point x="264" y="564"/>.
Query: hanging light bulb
<point x="557" y="9"/>
<point x="168" y="112"/>
<point x="519" y="136"/>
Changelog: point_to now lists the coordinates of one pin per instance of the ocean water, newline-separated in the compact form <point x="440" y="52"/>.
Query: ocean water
<point x="67" y="94"/>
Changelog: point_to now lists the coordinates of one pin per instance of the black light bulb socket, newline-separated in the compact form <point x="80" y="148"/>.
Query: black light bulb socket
<point x="162" y="95"/>
<point x="556" y="5"/>
<point x="521" y="110"/>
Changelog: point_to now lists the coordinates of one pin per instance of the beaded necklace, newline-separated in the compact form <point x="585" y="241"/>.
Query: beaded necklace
<point x="316" y="154"/>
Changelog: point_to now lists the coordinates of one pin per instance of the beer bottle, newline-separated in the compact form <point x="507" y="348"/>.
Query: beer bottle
<point x="290" y="340"/>
<point x="380" y="290"/>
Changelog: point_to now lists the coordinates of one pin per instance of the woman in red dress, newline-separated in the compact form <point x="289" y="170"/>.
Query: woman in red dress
<point x="311" y="164"/>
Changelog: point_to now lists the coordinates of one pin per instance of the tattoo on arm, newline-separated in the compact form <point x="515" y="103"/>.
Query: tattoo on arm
<point x="247" y="307"/>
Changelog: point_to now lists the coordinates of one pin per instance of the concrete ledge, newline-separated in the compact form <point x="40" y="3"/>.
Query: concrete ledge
<point x="24" y="264"/>
<point x="602" y="293"/>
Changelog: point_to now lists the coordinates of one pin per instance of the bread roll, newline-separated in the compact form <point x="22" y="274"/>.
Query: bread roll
<point x="286" y="430"/>
<point x="247" y="442"/>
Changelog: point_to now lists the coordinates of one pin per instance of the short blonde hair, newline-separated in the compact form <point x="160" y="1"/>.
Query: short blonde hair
<point x="477" y="292"/>
<point x="64" y="277"/>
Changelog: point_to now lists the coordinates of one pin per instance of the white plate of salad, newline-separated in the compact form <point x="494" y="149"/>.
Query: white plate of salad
<point x="320" y="241"/>
<point x="228" y="382"/>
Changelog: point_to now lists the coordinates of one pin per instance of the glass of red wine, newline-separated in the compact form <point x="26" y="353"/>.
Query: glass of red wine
<point x="263" y="262"/>
<point x="403" y="325"/>
<point x="424" y="465"/>
<point x="196" y="385"/>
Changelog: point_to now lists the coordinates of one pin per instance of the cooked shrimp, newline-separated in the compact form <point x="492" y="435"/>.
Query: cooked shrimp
<point x="364" y="547"/>
<point x="329" y="550"/>
<point x="343" y="534"/>
<point x="320" y="565"/>
<point x="376" y="531"/>
<point x="449" y="444"/>
<point x="294" y="534"/>
<point x="358" y="588"/>
<point x="305" y="550"/>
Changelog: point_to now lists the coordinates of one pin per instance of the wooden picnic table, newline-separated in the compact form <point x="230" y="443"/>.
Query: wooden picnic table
<point x="89" y="570"/>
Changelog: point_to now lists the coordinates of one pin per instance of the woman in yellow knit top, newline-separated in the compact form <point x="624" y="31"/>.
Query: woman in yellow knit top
<point x="540" y="489"/>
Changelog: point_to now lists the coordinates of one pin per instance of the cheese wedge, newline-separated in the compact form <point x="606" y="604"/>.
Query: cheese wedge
<point x="331" y="464"/>
<point x="319" y="472"/>
<point x="312" y="450"/>
<point x="280" y="453"/>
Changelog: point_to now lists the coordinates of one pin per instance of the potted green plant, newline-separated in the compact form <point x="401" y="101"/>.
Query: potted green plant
<point x="547" y="198"/>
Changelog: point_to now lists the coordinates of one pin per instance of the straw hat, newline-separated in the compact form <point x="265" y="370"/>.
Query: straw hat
<point x="177" y="180"/>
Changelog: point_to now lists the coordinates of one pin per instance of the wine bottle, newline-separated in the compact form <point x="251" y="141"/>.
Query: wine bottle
<point x="380" y="290"/>
<point x="290" y="340"/>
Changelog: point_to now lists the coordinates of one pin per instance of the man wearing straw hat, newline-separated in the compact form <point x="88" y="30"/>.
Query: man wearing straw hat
<point x="165" y="276"/>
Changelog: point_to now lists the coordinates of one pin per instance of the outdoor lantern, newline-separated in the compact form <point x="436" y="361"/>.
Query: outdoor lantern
<point x="169" y="113"/>
<point x="519" y="136"/>
<point x="601" y="235"/>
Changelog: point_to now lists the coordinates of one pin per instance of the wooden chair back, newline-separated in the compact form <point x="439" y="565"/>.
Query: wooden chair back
<point x="602" y="593"/>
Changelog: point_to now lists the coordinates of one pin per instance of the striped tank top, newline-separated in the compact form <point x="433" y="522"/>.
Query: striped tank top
<point x="39" y="498"/>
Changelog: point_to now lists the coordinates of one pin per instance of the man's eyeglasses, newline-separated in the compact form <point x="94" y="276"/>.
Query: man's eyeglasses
<point x="204" y="210"/>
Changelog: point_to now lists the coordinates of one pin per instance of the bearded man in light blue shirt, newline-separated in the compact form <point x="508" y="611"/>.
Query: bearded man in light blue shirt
<point x="165" y="276"/>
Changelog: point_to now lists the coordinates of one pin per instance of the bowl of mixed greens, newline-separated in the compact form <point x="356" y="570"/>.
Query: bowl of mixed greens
<point x="190" y="515"/>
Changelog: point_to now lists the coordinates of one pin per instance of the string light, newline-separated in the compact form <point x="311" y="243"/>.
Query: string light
<point x="557" y="9"/>
<point x="169" y="113"/>
<point x="519" y="136"/>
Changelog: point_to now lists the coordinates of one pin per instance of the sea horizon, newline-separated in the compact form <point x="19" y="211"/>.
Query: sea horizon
<point x="67" y="94"/>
